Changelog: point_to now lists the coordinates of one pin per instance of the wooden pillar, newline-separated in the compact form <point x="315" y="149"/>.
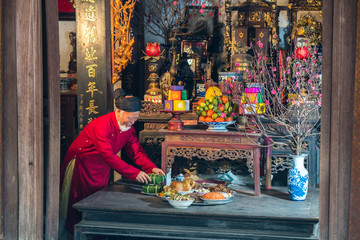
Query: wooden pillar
<point x="354" y="230"/>
<point x="337" y="117"/>
<point x="51" y="118"/>
<point x="23" y="119"/>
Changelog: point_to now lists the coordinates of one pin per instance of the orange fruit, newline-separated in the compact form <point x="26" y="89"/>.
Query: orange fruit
<point x="224" y="99"/>
<point x="210" y="113"/>
<point x="202" y="119"/>
<point x="200" y="101"/>
<point x="219" y="119"/>
<point x="209" y="119"/>
<point x="229" y="119"/>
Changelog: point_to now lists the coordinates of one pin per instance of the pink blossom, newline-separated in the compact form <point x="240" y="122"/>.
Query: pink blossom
<point x="251" y="44"/>
<point x="203" y="5"/>
<point x="261" y="71"/>
<point x="312" y="87"/>
<point x="317" y="75"/>
<point x="273" y="91"/>
<point x="231" y="85"/>
<point x="275" y="35"/>
<point x="202" y="10"/>
<point x="175" y="2"/>
<point x="288" y="71"/>
<point x="228" y="91"/>
<point x="250" y="76"/>
<point x="287" y="100"/>
<point x="246" y="70"/>
<point x="267" y="102"/>
<point x="223" y="115"/>
<point x="260" y="44"/>
<point x="297" y="73"/>
<point x="278" y="89"/>
<point x="315" y="52"/>
<point x="288" y="58"/>
<point x="320" y="95"/>
<point x="211" y="14"/>
<point x="232" y="114"/>
<point x="306" y="41"/>
<point x="196" y="1"/>
<point x="306" y="70"/>
<point x="274" y="69"/>
<point x="316" y="93"/>
<point x="297" y="85"/>
<point x="219" y="13"/>
<point x="309" y="82"/>
<point x="319" y="104"/>
<point x="237" y="64"/>
<point x="192" y="4"/>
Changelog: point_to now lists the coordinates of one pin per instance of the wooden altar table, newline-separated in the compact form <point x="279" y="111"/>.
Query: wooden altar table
<point x="212" y="146"/>
<point x="121" y="211"/>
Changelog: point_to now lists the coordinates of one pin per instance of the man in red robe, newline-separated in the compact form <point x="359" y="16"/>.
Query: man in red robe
<point x="87" y="164"/>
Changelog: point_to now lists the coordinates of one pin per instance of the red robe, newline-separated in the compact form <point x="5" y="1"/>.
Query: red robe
<point x="95" y="151"/>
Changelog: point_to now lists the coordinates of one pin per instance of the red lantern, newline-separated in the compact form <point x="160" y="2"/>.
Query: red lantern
<point x="152" y="49"/>
<point x="302" y="53"/>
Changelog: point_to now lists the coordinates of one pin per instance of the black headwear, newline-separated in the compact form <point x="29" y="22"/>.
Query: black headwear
<point x="127" y="103"/>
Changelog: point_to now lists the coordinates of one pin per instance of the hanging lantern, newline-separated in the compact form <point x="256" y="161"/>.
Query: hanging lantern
<point x="302" y="53"/>
<point x="152" y="49"/>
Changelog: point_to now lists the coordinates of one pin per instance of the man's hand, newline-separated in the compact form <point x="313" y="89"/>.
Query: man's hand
<point x="143" y="177"/>
<point x="158" y="171"/>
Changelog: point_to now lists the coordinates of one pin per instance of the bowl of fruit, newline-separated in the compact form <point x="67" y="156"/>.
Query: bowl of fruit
<point x="216" y="110"/>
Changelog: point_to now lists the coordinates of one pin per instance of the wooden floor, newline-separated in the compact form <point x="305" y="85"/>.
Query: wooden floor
<point x="122" y="212"/>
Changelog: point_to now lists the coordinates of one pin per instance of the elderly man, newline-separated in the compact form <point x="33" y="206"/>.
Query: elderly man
<point x="87" y="164"/>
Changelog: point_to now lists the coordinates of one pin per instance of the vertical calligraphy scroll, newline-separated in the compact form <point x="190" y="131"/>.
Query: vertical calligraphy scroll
<point x="91" y="60"/>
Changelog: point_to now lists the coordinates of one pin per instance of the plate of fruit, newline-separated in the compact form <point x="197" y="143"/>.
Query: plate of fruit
<point x="216" y="110"/>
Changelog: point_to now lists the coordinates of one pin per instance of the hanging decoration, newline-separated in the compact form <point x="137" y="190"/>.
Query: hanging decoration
<point x="121" y="40"/>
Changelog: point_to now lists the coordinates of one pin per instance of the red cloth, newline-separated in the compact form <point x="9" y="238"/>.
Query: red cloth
<point x="95" y="151"/>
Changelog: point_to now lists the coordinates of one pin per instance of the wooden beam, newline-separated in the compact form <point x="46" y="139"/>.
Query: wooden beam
<point x="337" y="117"/>
<point x="51" y="118"/>
<point x="354" y="230"/>
<point x="9" y="123"/>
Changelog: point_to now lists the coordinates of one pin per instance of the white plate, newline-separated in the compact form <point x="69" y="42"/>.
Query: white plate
<point x="151" y="194"/>
<point x="163" y="198"/>
<point x="216" y="201"/>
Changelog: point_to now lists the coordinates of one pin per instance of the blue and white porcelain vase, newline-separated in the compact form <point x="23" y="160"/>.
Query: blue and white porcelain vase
<point x="298" y="179"/>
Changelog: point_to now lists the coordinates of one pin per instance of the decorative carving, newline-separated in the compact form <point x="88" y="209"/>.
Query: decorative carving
<point x="151" y="108"/>
<point x="155" y="126"/>
<point x="210" y="139"/>
<point x="255" y="16"/>
<point x="121" y="40"/>
<point x="209" y="154"/>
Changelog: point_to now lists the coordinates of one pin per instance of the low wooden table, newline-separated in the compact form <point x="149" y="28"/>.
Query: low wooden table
<point x="212" y="146"/>
<point x="122" y="211"/>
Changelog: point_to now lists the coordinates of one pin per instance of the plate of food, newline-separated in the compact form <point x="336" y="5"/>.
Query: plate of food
<point x="215" y="198"/>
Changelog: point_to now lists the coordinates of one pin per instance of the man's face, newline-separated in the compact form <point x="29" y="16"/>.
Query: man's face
<point x="127" y="119"/>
